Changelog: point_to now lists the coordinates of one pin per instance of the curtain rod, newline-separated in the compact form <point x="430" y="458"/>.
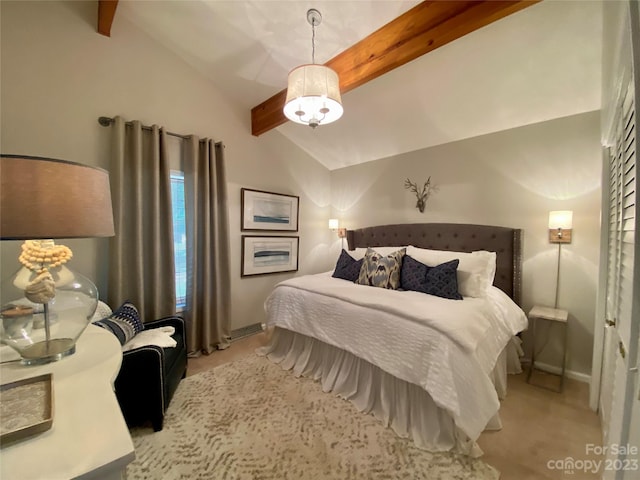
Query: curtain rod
<point x="106" y="121"/>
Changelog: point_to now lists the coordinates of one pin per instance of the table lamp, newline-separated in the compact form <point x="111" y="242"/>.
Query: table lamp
<point x="45" y="306"/>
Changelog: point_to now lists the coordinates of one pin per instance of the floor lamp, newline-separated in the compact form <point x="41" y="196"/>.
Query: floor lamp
<point x="560" y="228"/>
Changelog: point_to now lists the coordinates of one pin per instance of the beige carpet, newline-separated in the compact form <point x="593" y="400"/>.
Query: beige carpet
<point x="251" y="420"/>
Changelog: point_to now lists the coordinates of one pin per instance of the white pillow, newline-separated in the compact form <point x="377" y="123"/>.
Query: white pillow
<point x="102" y="311"/>
<point x="359" y="252"/>
<point x="476" y="270"/>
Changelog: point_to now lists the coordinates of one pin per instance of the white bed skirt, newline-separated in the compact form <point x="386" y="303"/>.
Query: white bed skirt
<point x="405" y="407"/>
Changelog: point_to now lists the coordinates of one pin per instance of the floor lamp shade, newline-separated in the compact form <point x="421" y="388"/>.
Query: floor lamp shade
<point x="47" y="198"/>
<point x="45" y="306"/>
<point x="560" y="226"/>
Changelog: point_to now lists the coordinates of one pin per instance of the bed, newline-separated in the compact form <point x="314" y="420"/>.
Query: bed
<point x="432" y="369"/>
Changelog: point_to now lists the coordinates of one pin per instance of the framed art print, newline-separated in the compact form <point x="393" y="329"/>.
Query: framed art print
<point x="269" y="211"/>
<point x="261" y="255"/>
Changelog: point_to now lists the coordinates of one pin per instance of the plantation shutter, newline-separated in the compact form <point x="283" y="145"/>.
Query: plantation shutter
<point x="620" y="273"/>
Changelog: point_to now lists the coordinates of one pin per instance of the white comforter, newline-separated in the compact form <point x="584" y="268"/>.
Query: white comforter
<point x="447" y="347"/>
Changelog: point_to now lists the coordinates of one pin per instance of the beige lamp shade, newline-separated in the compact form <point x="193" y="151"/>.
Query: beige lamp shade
<point x="313" y="96"/>
<point x="560" y="226"/>
<point x="44" y="198"/>
<point x="561" y="219"/>
<point x="333" y="224"/>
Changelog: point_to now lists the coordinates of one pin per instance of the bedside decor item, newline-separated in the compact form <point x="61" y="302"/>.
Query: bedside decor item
<point x="313" y="91"/>
<point x="261" y="255"/>
<point x="422" y="195"/>
<point x="46" y="306"/>
<point x="560" y="228"/>
<point x="268" y="211"/>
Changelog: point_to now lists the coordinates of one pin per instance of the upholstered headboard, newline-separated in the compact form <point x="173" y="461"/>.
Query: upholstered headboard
<point x="506" y="242"/>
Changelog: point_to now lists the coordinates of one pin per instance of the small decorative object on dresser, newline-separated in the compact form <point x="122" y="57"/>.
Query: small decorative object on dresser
<point x="421" y="195"/>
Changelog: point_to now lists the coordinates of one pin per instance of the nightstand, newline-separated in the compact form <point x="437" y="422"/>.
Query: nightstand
<point x="548" y="314"/>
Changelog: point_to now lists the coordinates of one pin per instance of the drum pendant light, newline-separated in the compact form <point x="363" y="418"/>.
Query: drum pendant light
<point x="313" y="91"/>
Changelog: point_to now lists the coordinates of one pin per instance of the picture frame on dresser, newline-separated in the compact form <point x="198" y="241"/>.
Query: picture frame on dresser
<point x="263" y="255"/>
<point x="268" y="211"/>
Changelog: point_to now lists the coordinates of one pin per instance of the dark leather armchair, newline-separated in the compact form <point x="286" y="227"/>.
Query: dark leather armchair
<point x="149" y="376"/>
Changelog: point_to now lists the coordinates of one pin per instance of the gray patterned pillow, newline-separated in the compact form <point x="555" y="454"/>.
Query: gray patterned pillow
<point x="381" y="270"/>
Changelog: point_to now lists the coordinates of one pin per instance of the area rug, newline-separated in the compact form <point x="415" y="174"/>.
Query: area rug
<point x="251" y="420"/>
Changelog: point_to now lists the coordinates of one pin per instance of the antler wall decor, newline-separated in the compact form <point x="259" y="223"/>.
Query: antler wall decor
<point x="422" y="195"/>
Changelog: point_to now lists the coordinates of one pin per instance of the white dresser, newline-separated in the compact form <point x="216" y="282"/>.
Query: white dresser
<point x="89" y="437"/>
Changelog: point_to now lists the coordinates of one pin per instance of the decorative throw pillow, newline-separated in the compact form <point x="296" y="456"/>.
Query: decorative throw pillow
<point x="102" y="311"/>
<point x="441" y="280"/>
<point x="476" y="270"/>
<point x="124" y="322"/>
<point x="381" y="270"/>
<point x="347" y="267"/>
<point x="413" y="275"/>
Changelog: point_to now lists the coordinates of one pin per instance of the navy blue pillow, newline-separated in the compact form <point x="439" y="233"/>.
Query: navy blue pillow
<point x="347" y="267"/>
<point x="124" y="322"/>
<point x="441" y="281"/>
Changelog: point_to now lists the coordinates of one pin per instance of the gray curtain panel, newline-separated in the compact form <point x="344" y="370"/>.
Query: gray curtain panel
<point x="141" y="266"/>
<point x="207" y="222"/>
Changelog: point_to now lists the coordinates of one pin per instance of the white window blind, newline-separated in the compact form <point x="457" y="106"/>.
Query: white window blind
<point x="179" y="237"/>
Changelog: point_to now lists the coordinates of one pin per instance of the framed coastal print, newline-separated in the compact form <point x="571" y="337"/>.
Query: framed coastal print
<point x="261" y="255"/>
<point x="269" y="211"/>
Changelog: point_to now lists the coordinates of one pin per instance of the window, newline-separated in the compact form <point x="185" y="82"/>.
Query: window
<point x="179" y="237"/>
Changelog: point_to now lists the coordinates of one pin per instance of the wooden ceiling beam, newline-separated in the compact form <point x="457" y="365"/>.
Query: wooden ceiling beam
<point x="106" y="12"/>
<point x="422" y="29"/>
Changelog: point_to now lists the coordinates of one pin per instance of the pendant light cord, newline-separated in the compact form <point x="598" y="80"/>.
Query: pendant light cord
<point x="313" y="42"/>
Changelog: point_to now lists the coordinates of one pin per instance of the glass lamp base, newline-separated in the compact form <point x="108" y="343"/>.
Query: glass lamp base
<point x="43" y="323"/>
<point x="47" y="351"/>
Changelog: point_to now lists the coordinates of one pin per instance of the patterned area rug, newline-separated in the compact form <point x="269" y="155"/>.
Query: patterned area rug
<point x="251" y="420"/>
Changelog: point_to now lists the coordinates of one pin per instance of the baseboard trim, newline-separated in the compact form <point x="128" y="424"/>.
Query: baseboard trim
<point x="545" y="367"/>
<point x="247" y="331"/>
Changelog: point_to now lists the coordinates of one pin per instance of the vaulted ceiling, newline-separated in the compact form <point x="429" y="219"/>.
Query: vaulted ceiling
<point x="540" y="63"/>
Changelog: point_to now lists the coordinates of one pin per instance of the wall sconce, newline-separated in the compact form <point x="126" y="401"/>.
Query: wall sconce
<point x="334" y="226"/>
<point x="560" y="226"/>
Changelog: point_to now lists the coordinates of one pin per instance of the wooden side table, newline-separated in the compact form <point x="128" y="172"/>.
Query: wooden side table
<point x="552" y="315"/>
